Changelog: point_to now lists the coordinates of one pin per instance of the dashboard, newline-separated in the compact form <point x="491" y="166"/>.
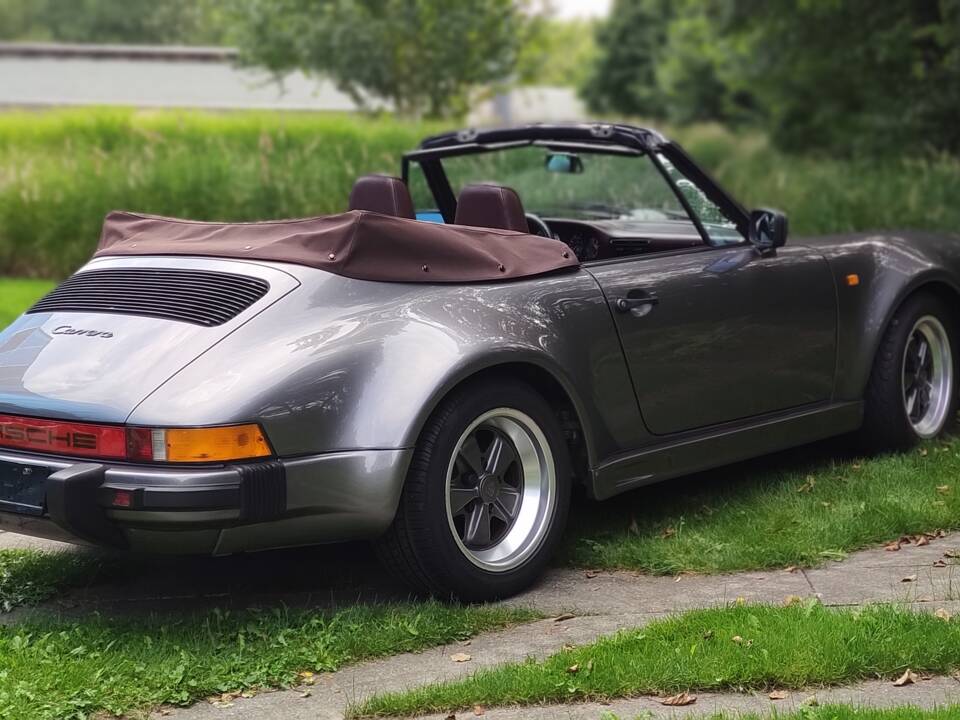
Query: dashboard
<point x="606" y="239"/>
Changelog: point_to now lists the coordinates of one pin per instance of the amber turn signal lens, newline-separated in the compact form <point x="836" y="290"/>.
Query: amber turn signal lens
<point x="853" y="280"/>
<point x="216" y="444"/>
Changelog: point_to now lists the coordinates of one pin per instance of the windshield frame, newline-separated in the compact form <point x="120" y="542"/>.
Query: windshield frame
<point x="598" y="139"/>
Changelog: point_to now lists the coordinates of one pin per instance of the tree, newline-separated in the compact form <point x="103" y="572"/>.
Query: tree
<point x="424" y="56"/>
<point x="187" y="22"/>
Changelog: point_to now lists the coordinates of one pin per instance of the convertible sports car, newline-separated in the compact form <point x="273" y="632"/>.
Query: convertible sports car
<point x="525" y="310"/>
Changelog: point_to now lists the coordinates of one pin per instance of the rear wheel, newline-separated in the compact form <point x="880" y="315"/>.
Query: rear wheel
<point x="486" y="497"/>
<point x="912" y="393"/>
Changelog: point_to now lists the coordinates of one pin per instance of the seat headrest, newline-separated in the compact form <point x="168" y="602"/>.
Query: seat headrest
<point x="491" y="206"/>
<point x="382" y="194"/>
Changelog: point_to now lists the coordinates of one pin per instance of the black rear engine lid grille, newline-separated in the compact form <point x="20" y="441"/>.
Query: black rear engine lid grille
<point x="201" y="297"/>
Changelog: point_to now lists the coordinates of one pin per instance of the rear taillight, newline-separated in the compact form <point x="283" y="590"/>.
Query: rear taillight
<point x="112" y="442"/>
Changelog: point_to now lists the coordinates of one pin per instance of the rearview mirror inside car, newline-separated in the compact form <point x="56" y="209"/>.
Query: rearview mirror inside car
<point x="566" y="163"/>
<point x="768" y="230"/>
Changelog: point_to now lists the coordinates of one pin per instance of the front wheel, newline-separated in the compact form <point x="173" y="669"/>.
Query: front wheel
<point x="912" y="393"/>
<point x="486" y="497"/>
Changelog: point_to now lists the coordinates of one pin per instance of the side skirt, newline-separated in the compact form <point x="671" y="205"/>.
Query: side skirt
<point x="723" y="445"/>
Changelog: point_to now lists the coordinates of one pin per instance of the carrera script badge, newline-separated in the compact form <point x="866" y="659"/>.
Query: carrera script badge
<point x="68" y="330"/>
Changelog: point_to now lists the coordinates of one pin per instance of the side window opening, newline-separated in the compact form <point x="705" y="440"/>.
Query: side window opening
<point x="721" y="230"/>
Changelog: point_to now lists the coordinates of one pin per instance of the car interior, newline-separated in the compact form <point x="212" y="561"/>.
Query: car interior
<point x="500" y="207"/>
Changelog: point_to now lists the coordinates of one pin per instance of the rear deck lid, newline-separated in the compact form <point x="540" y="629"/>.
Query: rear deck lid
<point x="113" y="333"/>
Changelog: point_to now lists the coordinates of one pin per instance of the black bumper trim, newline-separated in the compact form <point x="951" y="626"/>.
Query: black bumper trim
<point x="72" y="504"/>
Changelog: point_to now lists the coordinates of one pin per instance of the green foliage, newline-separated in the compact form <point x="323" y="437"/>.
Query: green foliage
<point x="423" y="55"/>
<point x="740" y="647"/>
<point x="61" y="172"/>
<point x="196" y="22"/>
<point x="556" y="52"/>
<point x="28" y="577"/>
<point x="17" y="295"/>
<point x="51" y="669"/>
<point x="630" y="46"/>
<point x="845" y="76"/>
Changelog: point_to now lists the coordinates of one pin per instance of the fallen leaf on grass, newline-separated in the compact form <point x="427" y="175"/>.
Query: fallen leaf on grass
<point x="908" y="678"/>
<point x="668" y="533"/>
<point x="790" y="568"/>
<point x="943" y="489"/>
<point x="679" y="700"/>
<point x="909" y="578"/>
<point x="574" y="669"/>
<point x="943" y="614"/>
<point x="461" y="657"/>
<point x="808" y="485"/>
<point x="564" y="617"/>
<point x="779" y="695"/>
<point x="923" y="451"/>
<point x="792" y="600"/>
<point x="737" y="639"/>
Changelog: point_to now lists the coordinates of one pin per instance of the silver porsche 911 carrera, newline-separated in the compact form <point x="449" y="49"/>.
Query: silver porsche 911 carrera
<point x="522" y="311"/>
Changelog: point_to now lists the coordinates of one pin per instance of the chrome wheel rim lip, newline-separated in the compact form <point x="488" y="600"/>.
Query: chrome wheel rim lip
<point x="926" y="377"/>
<point x="538" y="488"/>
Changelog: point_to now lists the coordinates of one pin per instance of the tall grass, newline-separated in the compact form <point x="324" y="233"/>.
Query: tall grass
<point x="61" y="171"/>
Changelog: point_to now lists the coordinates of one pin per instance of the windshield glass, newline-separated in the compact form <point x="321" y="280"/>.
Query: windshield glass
<point x="572" y="185"/>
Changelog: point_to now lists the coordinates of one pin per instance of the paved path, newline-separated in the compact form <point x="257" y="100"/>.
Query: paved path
<point x="603" y="603"/>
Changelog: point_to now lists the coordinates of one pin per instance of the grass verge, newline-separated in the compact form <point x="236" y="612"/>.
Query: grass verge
<point x="54" y="670"/>
<point x="750" y="647"/>
<point x="17" y="294"/>
<point x="28" y="577"/>
<point x="839" y="712"/>
<point x="798" y="508"/>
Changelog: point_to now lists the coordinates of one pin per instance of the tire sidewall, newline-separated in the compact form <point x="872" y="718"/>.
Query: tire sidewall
<point x="457" y="572"/>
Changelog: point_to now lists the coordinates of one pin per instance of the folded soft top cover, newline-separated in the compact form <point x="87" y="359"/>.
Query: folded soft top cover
<point x="357" y="244"/>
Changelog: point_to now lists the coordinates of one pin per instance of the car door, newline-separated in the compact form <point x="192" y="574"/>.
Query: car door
<point x="719" y="334"/>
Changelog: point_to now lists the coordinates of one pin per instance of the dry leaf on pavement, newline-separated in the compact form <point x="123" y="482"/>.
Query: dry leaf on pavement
<point x="908" y="678"/>
<point x="909" y="578"/>
<point x="461" y="657"/>
<point x="478" y="710"/>
<point x="943" y="614"/>
<point x="779" y="695"/>
<point x="563" y="617"/>
<point x="679" y="700"/>
<point x="921" y="540"/>
<point x="892" y="546"/>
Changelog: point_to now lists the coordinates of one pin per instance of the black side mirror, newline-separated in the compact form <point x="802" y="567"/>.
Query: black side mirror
<point x="768" y="230"/>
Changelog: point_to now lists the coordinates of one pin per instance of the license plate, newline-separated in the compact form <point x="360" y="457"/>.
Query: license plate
<point x="23" y="488"/>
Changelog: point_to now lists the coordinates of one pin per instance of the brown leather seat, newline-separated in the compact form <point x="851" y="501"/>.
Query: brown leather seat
<point x="491" y="206"/>
<point x="382" y="194"/>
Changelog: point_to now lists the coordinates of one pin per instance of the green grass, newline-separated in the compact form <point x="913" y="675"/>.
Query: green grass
<point x="61" y="171"/>
<point x="740" y="647"/>
<point x="28" y="577"/>
<point x="798" y="508"/>
<point x="836" y="712"/>
<point x="52" y="670"/>
<point x="17" y="294"/>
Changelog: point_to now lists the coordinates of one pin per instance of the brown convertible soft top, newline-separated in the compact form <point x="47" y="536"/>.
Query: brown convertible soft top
<point x="357" y="244"/>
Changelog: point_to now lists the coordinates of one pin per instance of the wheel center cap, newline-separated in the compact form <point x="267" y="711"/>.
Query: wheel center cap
<point x="489" y="488"/>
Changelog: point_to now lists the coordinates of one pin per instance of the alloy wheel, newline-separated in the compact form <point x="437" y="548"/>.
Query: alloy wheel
<point x="927" y="376"/>
<point x="501" y="489"/>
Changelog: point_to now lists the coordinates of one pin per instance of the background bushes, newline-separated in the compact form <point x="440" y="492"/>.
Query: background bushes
<point x="60" y="172"/>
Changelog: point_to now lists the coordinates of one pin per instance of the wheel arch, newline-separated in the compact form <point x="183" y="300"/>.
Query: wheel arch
<point x="937" y="284"/>
<point x="546" y="380"/>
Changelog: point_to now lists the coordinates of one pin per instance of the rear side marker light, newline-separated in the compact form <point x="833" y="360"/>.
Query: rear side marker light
<point x="111" y="442"/>
<point x="122" y="498"/>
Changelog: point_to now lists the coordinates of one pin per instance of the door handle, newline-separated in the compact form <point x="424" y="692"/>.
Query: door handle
<point x="637" y="303"/>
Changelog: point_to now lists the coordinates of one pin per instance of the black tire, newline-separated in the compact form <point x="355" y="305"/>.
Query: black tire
<point x="421" y="548"/>
<point x="886" y="424"/>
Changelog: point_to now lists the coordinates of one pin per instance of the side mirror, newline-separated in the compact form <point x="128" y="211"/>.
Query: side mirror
<point x="768" y="230"/>
<point x="565" y="163"/>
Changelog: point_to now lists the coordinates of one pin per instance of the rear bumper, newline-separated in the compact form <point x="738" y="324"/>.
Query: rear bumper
<point x="221" y="510"/>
